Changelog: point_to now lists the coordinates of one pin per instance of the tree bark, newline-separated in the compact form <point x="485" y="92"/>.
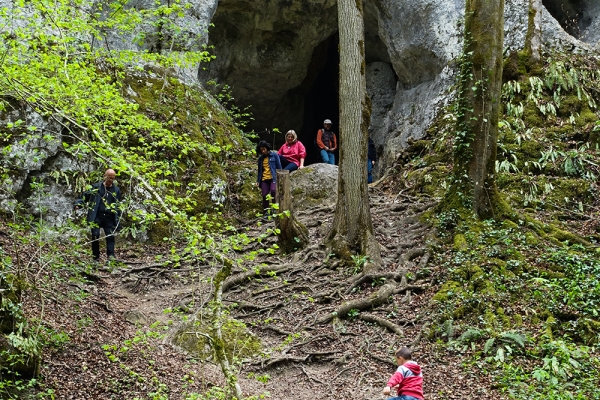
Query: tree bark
<point x="474" y="184"/>
<point x="293" y="235"/>
<point x="352" y="227"/>
<point x="533" y="40"/>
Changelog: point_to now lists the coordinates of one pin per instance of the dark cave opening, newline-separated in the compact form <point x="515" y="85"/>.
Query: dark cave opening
<point x="322" y="100"/>
<point x="318" y="94"/>
<point x="569" y="14"/>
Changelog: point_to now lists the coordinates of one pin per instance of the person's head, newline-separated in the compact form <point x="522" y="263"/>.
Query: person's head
<point x="263" y="147"/>
<point x="403" y="355"/>
<point x="291" y="137"/>
<point x="327" y="124"/>
<point x="109" y="177"/>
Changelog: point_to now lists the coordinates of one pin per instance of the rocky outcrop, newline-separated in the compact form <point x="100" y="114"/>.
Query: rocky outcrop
<point x="268" y="54"/>
<point x="314" y="186"/>
<point x="33" y="158"/>
<point x="273" y="54"/>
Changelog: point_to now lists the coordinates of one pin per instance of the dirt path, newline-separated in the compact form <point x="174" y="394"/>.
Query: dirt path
<point x="308" y="356"/>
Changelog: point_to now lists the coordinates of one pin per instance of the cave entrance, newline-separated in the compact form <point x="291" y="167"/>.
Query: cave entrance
<point x="314" y="100"/>
<point x="322" y="99"/>
<point x="570" y="14"/>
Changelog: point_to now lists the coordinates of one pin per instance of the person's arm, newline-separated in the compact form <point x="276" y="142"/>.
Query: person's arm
<point x="302" y="154"/>
<point x="278" y="162"/>
<point x="334" y="142"/>
<point x="320" y="141"/>
<point x="259" y="173"/>
<point x="394" y="381"/>
<point x="85" y="199"/>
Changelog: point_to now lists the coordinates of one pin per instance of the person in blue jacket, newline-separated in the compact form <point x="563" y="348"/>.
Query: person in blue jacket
<point x="102" y="204"/>
<point x="266" y="180"/>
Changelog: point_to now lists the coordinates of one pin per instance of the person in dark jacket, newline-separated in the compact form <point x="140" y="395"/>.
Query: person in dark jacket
<point x="327" y="143"/>
<point x="372" y="158"/>
<point x="266" y="179"/>
<point x="102" y="204"/>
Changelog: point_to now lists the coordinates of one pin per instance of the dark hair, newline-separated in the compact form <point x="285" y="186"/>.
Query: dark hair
<point x="405" y="353"/>
<point x="262" y="143"/>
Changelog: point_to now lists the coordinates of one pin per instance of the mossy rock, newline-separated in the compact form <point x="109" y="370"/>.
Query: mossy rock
<point x="158" y="231"/>
<point x="533" y="117"/>
<point x="586" y="116"/>
<point x="447" y="290"/>
<point x="531" y="239"/>
<point x="517" y="320"/>
<point x="460" y="242"/>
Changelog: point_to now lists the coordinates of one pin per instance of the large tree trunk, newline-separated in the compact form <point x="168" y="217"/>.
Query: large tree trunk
<point x="352" y="228"/>
<point x="533" y="40"/>
<point x="480" y="85"/>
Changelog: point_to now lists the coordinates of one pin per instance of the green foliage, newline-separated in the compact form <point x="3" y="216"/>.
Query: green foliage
<point x="123" y="109"/>
<point x="563" y="371"/>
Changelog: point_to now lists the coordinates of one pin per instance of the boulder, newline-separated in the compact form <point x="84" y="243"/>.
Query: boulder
<point x="314" y="186"/>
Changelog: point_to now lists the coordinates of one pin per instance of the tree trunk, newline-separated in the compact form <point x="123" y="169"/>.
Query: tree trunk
<point x="293" y="235"/>
<point x="474" y="184"/>
<point x="533" y="40"/>
<point x="352" y="228"/>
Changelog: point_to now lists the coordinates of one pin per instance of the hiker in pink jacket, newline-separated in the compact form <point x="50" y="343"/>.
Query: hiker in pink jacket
<point x="292" y="153"/>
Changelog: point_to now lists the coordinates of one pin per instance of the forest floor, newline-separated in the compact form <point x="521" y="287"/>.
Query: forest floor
<point x="111" y="332"/>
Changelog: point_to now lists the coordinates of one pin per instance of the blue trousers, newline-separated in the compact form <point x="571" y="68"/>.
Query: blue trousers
<point x="403" y="397"/>
<point x="328" y="157"/>
<point x="369" y="171"/>
<point x="288" y="165"/>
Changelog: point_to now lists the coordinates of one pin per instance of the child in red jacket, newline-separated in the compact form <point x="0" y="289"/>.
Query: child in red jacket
<point x="408" y="379"/>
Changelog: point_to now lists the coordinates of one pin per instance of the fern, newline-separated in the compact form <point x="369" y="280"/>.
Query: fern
<point x="513" y="337"/>
<point x="488" y="345"/>
<point x="470" y="335"/>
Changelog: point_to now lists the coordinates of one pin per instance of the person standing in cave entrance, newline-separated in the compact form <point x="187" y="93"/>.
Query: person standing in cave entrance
<point x="372" y="158"/>
<point x="292" y="153"/>
<point x="327" y="142"/>
<point x="266" y="179"/>
<point x="103" y="212"/>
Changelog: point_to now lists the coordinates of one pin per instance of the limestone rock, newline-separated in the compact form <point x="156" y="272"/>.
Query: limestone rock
<point x="314" y="186"/>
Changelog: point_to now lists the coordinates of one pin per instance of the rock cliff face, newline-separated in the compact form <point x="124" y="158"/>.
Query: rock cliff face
<point x="281" y="57"/>
<point x="274" y="54"/>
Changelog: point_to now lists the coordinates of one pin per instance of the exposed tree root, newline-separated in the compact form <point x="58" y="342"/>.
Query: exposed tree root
<point x="383" y="322"/>
<point x="238" y="279"/>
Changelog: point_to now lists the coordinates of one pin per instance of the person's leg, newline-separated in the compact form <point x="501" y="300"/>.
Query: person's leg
<point x="273" y="190"/>
<point x="265" y="189"/>
<point x="109" y="230"/>
<point x="284" y="162"/>
<point x="331" y="155"/>
<point x="96" y="243"/>
<point x="325" y="156"/>
<point x="291" y="167"/>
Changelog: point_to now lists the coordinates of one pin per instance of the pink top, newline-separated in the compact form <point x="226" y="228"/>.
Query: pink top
<point x="293" y="152"/>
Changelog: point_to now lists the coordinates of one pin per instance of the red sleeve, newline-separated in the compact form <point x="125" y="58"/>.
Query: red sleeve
<point x="281" y="149"/>
<point x="396" y="379"/>
<point x="319" y="141"/>
<point x="334" y="141"/>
